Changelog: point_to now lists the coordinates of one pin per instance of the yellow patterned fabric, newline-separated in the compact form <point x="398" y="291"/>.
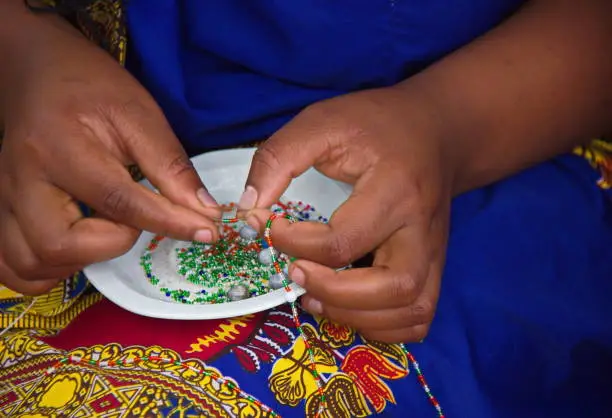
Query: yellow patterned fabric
<point x="80" y="390"/>
<point x="599" y="155"/>
<point x="142" y="367"/>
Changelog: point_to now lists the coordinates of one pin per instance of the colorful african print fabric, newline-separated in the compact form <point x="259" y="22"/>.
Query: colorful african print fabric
<point x="107" y="362"/>
<point x="144" y="368"/>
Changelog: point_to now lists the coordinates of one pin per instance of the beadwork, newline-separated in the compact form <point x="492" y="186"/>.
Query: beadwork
<point x="238" y="266"/>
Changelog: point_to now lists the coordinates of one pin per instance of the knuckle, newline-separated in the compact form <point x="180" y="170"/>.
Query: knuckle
<point x="179" y="165"/>
<point x="402" y="286"/>
<point x="267" y="157"/>
<point x="339" y="250"/>
<point x="50" y="251"/>
<point x="115" y="203"/>
<point x="132" y="106"/>
<point x="424" y="311"/>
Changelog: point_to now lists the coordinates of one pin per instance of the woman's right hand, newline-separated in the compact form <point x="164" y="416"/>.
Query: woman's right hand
<point x="74" y="119"/>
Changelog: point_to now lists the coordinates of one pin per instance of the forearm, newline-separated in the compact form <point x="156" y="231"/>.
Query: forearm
<point x="529" y="90"/>
<point x="30" y="40"/>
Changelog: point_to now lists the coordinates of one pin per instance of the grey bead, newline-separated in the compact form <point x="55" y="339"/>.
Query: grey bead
<point x="265" y="256"/>
<point x="248" y="232"/>
<point x="238" y="292"/>
<point x="276" y="281"/>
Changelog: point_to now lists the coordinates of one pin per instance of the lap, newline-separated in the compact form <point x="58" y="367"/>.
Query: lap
<point x="523" y="323"/>
<point x="521" y="327"/>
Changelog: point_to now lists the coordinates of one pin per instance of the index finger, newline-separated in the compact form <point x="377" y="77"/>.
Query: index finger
<point x="370" y="215"/>
<point x="160" y="156"/>
<point x="100" y="181"/>
<point x="394" y="281"/>
<point x="284" y="156"/>
<point x="60" y="235"/>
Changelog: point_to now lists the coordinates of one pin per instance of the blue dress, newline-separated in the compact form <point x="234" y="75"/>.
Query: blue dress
<point x="523" y="324"/>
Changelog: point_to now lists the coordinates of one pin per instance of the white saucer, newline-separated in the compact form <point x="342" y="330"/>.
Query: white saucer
<point x="122" y="280"/>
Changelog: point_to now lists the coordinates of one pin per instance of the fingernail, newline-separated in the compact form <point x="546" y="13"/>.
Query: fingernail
<point x="248" y="199"/>
<point x="205" y="198"/>
<point x="203" y="235"/>
<point x="297" y="276"/>
<point x="314" y="307"/>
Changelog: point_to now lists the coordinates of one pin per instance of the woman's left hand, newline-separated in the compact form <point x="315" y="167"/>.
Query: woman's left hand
<point x="392" y="152"/>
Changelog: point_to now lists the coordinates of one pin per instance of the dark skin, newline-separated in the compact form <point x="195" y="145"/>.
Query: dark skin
<point x="70" y="131"/>
<point x="528" y="90"/>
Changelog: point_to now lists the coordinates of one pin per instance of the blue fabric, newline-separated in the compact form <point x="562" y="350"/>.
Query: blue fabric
<point x="232" y="71"/>
<point x="523" y="326"/>
<point x="523" y="323"/>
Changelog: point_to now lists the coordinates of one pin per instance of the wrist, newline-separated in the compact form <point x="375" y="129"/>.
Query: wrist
<point x="29" y="39"/>
<point x="472" y="152"/>
<point x="427" y="121"/>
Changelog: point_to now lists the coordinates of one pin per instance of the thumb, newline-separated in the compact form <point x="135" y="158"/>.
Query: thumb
<point x="164" y="162"/>
<point x="283" y="157"/>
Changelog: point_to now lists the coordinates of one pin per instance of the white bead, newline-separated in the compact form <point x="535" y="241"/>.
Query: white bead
<point x="291" y="296"/>
<point x="238" y="292"/>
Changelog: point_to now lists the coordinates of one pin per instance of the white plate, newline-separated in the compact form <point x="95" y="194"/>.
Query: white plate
<point x="123" y="282"/>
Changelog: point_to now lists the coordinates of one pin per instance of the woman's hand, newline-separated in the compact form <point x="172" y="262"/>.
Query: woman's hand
<point x="530" y="89"/>
<point x="74" y="120"/>
<point x="399" y="209"/>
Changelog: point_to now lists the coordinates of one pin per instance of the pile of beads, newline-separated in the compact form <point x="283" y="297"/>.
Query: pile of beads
<point x="238" y="266"/>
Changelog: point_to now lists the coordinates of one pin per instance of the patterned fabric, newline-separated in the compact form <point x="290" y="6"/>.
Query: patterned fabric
<point x="40" y="382"/>
<point x="599" y="155"/>
<point x="139" y="367"/>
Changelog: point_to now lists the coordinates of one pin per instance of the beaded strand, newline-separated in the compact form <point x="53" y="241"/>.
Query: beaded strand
<point x="291" y="299"/>
<point x="422" y="381"/>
